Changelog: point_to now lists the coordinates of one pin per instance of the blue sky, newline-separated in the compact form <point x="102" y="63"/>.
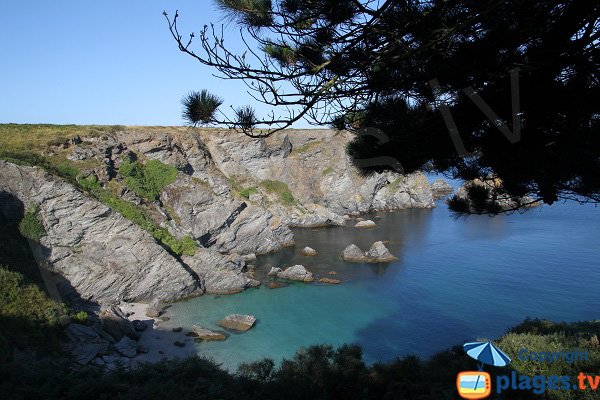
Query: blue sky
<point x="106" y="62"/>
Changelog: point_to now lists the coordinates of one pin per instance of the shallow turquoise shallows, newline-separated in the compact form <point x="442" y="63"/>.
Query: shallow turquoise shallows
<point x="454" y="281"/>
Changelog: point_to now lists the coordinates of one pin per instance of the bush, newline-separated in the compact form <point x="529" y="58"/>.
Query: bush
<point x="80" y="317"/>
<point x="281" y="189"/>
<point x="28" y="317"/>
<point x="149" y="179"/>
<point x="247" y="192"/>
<point x="31" y="226"/>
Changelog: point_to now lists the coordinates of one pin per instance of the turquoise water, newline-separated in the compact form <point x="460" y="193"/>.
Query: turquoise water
<point x="454" y="281"/>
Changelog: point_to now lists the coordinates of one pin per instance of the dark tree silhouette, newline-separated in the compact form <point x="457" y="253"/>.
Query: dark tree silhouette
<point x="505" y="91"/>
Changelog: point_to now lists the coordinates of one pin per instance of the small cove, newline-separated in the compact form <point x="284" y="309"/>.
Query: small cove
<point x="454" y="280"/>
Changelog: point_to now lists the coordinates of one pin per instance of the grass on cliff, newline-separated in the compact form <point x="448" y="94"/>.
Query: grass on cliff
<point x="281" y="189"/>
<point x="149" y="179"/>
<point x="31" y="226"/>
<point x="137" y="215"/>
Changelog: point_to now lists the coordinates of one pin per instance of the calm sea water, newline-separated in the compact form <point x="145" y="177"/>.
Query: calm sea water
<point x="454" y="281"/>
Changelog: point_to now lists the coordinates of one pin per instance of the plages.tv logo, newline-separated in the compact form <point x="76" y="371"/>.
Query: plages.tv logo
<point x="474" y="385"/>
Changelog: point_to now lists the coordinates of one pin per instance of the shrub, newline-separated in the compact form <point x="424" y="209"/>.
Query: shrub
<point x="247" y="192"/>
<point x="281" y="189"/>
<point x="149" y="179"/>
<point x="80" y="317"/>
<point x="28" y="317"/>
<point x="31" y="226"/>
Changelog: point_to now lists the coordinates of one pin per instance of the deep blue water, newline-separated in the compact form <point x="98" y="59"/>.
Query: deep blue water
<point x="456" y="280"/>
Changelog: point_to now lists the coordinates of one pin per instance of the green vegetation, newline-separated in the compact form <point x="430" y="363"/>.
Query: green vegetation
<point x="28" y="317"/>
<point x="31" y="226"/>
<point x="281" y="189"/>
<point x="149" y="179"/>
<point x="307" y="146"/>
<point x="80" y="317"/>
<point x="247" y="192"/>
<point x="327" y="171"/>
<point x="317" y="372"/>
<point x="137" y="215"/>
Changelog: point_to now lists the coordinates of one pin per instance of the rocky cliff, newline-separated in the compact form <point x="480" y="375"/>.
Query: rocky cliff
<point x="234" y="196"/>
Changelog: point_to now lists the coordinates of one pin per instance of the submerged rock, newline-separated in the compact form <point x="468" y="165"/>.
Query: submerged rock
<point x="309" y="251"/>
<point x="365" y="224"/>
<point x="238" y="322"/>
<point x="276" y="285"/>
<point x="296" y="273"/>
<point x="379" y="253"/>
<point x="330" y="281"/>
<point x="207" y="334"/>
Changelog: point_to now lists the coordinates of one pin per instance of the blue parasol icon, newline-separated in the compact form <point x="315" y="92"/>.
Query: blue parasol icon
<point x="486" y="353"/>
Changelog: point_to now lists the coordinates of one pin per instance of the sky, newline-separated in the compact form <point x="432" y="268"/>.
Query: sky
<point x="106" y="62"/>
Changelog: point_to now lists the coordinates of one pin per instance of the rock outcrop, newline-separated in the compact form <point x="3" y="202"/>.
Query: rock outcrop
<point x="296" y="273"/>
<point x="104" y="257"/>
<point x="309" y="251"/>
<point x="207" y="334"/>
<point x="378" y="253"/>
<point x="365" y="224"/>
<point x="238" y="322"/>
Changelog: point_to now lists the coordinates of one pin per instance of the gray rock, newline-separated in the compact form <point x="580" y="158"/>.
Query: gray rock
<point x="238" y="322"/>
<point x="103" y="256"/>
<point x="379" y="253"/>
<point x="365" y="224"/>
<point x="275" y="271"/>
<point x="155" y="308"/>
<point x="353" y="253"/>
<point x="84" y="352"/>
<point x="296" y="273"/>
<point x="309" y="251"/>
<point x="138" y="325"/>
<point x="116" y="324"/>
<point x="207" y="334"/>
<point x="126" y="347"/>
<point x="143" y="349"/>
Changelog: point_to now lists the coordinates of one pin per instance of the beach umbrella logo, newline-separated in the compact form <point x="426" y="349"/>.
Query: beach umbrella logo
<point x="475" y="385"/>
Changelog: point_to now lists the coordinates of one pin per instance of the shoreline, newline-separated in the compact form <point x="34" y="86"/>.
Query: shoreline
<point x="157" y="339"/>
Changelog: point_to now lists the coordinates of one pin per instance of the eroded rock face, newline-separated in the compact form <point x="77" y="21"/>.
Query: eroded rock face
<point x="223" y="223"/>
<point x="98" y="253"/>
<point x="219" y="274"/>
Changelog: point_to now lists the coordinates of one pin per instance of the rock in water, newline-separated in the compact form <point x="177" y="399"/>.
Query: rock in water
<point x="365" y="224"/>
<point x="276" y="285"/>
<point x="440" y="189"/>
<point x="296" y="273"/>
<point x="353" y="253"/>
<point x="330" y="281"/>
<point x="207" y="334"/>
<point x="126" y="347"/>
<point x="238" y="322"/>
<point x="309" y="251"/>
<point x="274" y="271"/>
<point x="379" y="253"/>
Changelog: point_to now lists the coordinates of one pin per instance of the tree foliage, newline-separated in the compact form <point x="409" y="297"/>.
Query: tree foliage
<point x="391" y="66"/>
